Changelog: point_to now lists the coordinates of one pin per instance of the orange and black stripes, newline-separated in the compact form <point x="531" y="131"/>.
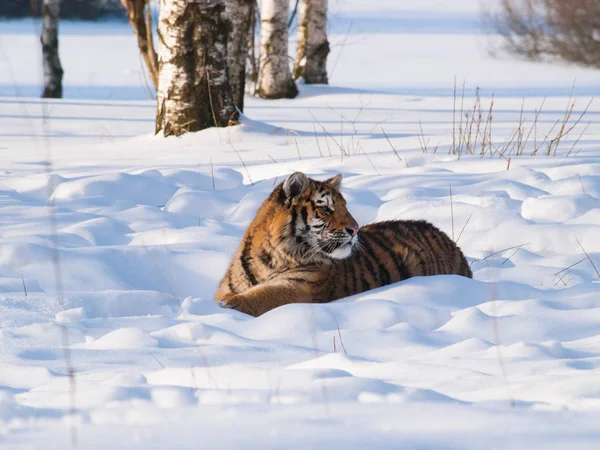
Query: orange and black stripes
<point x="288" y="253"/>
<point x="393" y="251"/>
<point x="246" y="261"/>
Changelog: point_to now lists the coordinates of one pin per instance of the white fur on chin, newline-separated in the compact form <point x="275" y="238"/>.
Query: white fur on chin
<point x="341" y="252"/>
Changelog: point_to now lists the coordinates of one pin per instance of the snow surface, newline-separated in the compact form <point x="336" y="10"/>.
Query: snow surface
<point x="147" y="226"/>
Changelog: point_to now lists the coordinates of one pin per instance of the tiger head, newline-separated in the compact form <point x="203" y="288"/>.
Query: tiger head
<point x="312" y="218"/>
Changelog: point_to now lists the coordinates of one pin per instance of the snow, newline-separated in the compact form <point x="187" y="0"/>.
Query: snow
<point x="147" y="226"/>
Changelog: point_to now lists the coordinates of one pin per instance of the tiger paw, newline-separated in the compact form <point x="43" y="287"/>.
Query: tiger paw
<point x="237" y="302"/>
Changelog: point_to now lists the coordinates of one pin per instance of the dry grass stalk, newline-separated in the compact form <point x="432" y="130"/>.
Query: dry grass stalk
<point x="391" y="145"/>
<point x="567" y="269"/>
<point x="298" y="149"/>
<point x="317" y="139"/>
<point x="453" y="148"/>
<point x="421" y="138"/>
<point x="452" y="210"/>
<point x="24" y="287"/>
<point x="157" y="360"/>
<point x="486" y="137"/>
<point x="533" y="128"/>
<point x="463" y="228"/>
<point x="460" y="127"/>
<point x="58" y="277"/>
<point x="212" y="174"/>
<point x="469" y="133"/>
<point x="371" y="162"/>
<point x="579" y="138"/>
<point x="326" y="133"/>
<point x="341" y="340"/>
<point x="342" y="134"/>
<point x="588" y="257"/>
<point x="581" y="182"/>
<point x="499" y="252"/>
<point x="568" y="112"/>
<point x="243" y="163"/>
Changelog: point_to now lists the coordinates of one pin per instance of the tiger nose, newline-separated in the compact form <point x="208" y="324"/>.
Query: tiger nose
<point x="352" y="230"/>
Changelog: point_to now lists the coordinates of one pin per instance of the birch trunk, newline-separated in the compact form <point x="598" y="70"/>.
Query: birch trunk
<point x="53" y="72"/>
<point x="239" y="13"/>
<point x="142" y="28"/>
<point x="193" y="86"/>
<point x="275" y="79"/>
<point x="313" y="47"/>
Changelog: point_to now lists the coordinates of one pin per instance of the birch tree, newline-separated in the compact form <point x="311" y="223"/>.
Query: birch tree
<point x="275" y="79"/>
<point x="313" y="47"/>
<point x="240" y="14"/>
<point x="193" y="86"/>
<point x="142" y="28"/>
<point x="53" y="72"/>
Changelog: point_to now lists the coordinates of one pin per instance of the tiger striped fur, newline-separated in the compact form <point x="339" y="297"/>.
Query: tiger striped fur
<point x="304" y="246"/>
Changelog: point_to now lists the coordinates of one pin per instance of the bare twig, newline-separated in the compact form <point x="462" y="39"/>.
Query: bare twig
<point x="391" y="145"/>
<point x="581" y="182"/>
<point x="327" y="134"/>
<point x="157" y="360"/>
<point x="58" y="282"/>
<point x="317" y="139"/>
<point x="512" y="254"/>
<point x="294" y="12"/>
<point x="371" y="162"/>
<point x="341" y="340"/>
<point x="24" y="288"/>
<point x="335" y="63"/>
<point x="579" y="138"/>
<point x="453" y="148"/>
<point x="452" y="210"/>
<point x="460" y="128"/>
<point x="298" y="149"/>
<point x="243" y="163"/>
<point x="570" y="267"/>
<point x="422" y="139"/>
<point x="212" y="173"/>
<point x="500" y="252"/>
<point x="463" y="228"/>
<point x="588" y="257"/>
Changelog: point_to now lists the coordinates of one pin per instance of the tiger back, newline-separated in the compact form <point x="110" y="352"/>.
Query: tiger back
<point x="304" y="246"/>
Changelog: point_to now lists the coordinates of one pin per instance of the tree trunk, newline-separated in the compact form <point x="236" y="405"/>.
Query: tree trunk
<point x="275" y="79"/>
<point x="313" y="47"/>
<point x="193" y="86"/>
<point x="142" y="28"/>
<point x="53" y="72"/>
<point x="239" y="13"/>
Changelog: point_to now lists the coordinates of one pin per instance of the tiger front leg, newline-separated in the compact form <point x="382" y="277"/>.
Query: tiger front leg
<point x="265" y="297"/>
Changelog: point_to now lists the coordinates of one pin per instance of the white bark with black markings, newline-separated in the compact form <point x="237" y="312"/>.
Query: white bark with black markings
<point x="275" y="78"/>
<point x="53" y="72"/>
<point x="193" y="86"/>
<point x="313" y="46"/>
<point x="239" y="13"/>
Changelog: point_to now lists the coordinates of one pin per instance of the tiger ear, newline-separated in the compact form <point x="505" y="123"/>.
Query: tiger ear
<point x="295" y="184"/>
<point x="335" y="182"/>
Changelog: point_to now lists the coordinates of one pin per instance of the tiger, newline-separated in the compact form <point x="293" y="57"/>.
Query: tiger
<point x="304" y="246"/>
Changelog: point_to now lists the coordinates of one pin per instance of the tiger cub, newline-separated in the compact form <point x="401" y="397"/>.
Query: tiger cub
<point x="304" y="246"/>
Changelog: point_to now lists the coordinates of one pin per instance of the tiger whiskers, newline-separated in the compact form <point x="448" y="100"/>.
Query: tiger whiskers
<point x="324" y="246"/>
